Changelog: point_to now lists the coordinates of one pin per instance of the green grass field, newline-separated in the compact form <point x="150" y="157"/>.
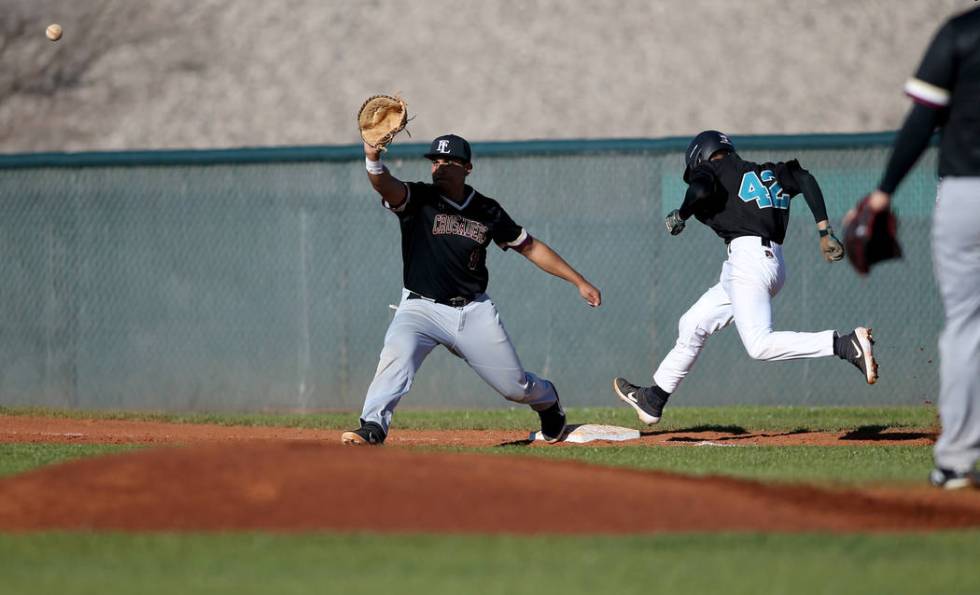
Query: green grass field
<point x="939" y="562"/>
<point x="690" y="563"/>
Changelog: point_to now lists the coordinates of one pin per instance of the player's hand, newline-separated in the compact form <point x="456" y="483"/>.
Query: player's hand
<point x="371" y="153"/>
<point x="831" y="247"/>
<point x="590" y="293"/>
<point x="878" y="201"/>
<point x="675" y="223"/>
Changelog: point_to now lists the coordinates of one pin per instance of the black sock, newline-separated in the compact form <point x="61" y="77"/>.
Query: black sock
<point x="659" y="394"/>
<point x="840" y="345"/>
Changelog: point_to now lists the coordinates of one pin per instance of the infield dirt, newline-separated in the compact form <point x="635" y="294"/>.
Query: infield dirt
<point x="218" y="478"/>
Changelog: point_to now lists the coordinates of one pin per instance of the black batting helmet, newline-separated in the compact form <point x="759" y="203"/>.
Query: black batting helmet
<point x="704" y="145"/>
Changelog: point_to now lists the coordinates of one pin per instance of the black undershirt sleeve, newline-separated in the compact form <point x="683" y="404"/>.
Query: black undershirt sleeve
<point x="812" y="193"/>
<point x="700" y="188"/>
<point x="912" y="140"/>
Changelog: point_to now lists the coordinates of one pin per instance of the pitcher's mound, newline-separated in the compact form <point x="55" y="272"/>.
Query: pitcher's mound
<point x="305" y="486"/>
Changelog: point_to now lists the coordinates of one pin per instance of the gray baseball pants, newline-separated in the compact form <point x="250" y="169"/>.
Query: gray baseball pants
<point x="956" y="260"/>
<point x="473" y="333"/>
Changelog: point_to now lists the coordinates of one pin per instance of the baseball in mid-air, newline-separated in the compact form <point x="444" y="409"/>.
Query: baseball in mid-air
<point x="53" y="32"/>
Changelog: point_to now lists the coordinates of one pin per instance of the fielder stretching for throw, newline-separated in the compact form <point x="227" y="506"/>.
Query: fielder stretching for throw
<point x="747" y="205"/>
<point x="446" y="227"/>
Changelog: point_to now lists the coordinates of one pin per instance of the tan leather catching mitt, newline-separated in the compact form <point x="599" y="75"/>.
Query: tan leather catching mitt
<point x="380" y="118"/>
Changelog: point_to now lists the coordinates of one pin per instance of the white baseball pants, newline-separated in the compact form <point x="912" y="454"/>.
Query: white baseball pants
<point x="473" y="333"/>
<point x="956" y="261"/>
<point x="750" y="278"/>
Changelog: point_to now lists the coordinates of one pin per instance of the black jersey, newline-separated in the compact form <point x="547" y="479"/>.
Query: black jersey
<point x="747" y="199"/>
<point x="949" y="80"/>
<point x="444" y="244"/>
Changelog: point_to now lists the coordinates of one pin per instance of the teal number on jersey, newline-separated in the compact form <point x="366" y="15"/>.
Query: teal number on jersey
<point x="754" y="189"/>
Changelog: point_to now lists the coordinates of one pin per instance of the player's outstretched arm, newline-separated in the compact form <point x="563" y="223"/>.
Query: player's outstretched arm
<point x="813" y="196"/>
<point x="831" y="247"/>
<point x="391" y="189"/>
<point x="911" y="142"/>
<point x="698" y="190"/>
<point x="551" y="262"/>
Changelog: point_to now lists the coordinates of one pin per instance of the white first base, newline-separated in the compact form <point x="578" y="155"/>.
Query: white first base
<point x="588" y="432"/>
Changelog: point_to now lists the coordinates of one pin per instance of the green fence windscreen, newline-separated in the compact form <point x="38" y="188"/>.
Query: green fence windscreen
<point x="261" y="279"/>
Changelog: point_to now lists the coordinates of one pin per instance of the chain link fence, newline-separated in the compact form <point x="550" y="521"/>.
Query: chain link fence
<point x="261" y="279"/>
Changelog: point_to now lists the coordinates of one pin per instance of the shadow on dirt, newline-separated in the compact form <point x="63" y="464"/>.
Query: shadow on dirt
<point x="879" y="433"/>
<point x="733" y="430"/>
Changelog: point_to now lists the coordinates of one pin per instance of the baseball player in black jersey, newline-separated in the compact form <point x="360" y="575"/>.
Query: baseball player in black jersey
<point x="946" y="92"/>
<point x="747" y="205"/>
<point x="446" y="227"/>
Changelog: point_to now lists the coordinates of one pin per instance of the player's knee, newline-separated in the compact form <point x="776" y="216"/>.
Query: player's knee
<point x="516" y="393"/>
<point x="521" y="398"/>
<point x="518" y="390"/>
<point x="690" y="331"/>
<point x="758" y="348"/>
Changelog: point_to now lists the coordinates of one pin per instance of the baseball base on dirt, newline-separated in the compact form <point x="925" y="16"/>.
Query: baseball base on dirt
<point x="582" y="433"/>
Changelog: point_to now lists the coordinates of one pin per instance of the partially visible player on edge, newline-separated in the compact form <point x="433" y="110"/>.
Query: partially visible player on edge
<point x="946" y="92"/>
<point x="446" y="227"/>
<point x="747" y="205"/>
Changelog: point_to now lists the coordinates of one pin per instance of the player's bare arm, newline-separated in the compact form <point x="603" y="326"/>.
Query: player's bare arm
<point x="551" y="262"/>
<point x="391" y="189"/>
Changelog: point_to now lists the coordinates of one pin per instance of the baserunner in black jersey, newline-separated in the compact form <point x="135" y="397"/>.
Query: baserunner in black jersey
<point x="747" y="205"/>
<point x="446" y="227"/>
<point x="946" y="92"/>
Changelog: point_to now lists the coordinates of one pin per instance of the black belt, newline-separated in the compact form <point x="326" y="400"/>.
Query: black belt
<point x="455" y="302"/>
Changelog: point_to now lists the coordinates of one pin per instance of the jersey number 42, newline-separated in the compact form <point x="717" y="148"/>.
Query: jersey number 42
<point x="763" y="189"/>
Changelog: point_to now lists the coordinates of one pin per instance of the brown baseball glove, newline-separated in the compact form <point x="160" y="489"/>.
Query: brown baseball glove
<point x="380" y="118"/>
<point x="871" y="237"/>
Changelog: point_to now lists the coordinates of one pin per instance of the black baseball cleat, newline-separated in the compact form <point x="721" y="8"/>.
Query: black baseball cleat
<point x="647" y="401"/>
<point x="552" y="423"/>
<point x="369" y="433"/>
<point x="857" y="347"/>
<point x="948" y="479"/>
